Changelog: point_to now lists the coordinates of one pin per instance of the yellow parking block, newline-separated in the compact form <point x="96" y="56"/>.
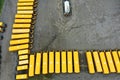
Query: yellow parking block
<point x="57" y="62"/>
<point x="19" y="16"/>
<point x="90" y="62"/>
<point x="76" y="62"/>
<point x="20" y="36"/>
<point x="110" y="61"/>
<point x="69" y="60"/>
<point x="23" y="62"/>
<point x="97" y="61"/>
<point x="16" y="31"/>
<point x="21" y="76"/>
<point x="22" y="57"/>
<point x="25" y="12"/>
<point x="23" y="67"/>
<point x="63" y="61"/>
<point x="25" y="4"/>
<point x="22" y="52"/>
<point x="119" y="54"/>
<point x="26" y="0"/>
<point x="28" y="21"/>
<point x="18" y="47"/>
<point x="51" y="62"/>
<point x="45" y="63"/>
<point x="25" y="8"/>
<point x="31" y="65"/>
<point x="104" y="63"/>
<point x="116" y="60"/>
<point x="22" y="26"/>
<point x="38" y="63"/>
<point x="1" y="24"/>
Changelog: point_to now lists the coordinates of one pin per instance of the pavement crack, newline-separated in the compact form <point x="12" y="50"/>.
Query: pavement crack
<point x="50" y="42"/>
<point x="74" y="28"/>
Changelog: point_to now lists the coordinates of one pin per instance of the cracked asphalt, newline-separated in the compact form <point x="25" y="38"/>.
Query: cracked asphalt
<point x="94" y="25"/>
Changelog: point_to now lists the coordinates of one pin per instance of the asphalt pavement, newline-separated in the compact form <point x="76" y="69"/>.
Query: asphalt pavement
<point x="9" y="60"/>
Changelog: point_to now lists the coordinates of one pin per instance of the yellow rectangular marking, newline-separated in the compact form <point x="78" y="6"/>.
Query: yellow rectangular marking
<point x="64" y="64"/>
<point x="57" y="62"/>
<point x="1" y="24"/>
<point x="25" y="4"/>
<point x="51" y="62"/>
<point x="104" y="63"/>
<point x="21" y="76"/>
<point x="20" y="41"/>
<point x="19" y="16"/>
<point x="31" y="65"/>
<point x="28" y="21"/>
<point x="69" y="59"/>
<point x="23" y="67"/>
<point x="20" y="36"/>
<point x="23" y="62"/>
<point x="25" y="12"/>
<point x="116" y="61"/>
<point x="45" y="63"/>
<point x="90" y="62"/>
<point x="18" y="47"/>
<point x="22" y="57"/>
<point x="119" y="54"/>
<point x="25" y="8"/>
<point x="23" y="26"/>
<point x="38" y="63"/>
<point x="110" y="61"/>
<point x="97" y="61"/>
<point x="76" y="62"/>
<point x="17" y="31"/>
<point x="22" y="52"/>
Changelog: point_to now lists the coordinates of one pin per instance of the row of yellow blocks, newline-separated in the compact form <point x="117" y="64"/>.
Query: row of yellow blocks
<point x="48" y="62"/>
<point x="23" y="58"/>
<point x="103" y="61"/>
<point x="66" y="62"/>
<point x="22" y="32"/>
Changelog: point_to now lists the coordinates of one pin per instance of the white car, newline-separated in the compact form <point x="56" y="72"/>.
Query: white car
<point x="66" y="7"/>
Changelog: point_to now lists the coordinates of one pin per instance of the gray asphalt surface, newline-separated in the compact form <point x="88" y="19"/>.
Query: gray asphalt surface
<point x="8" y="65"/>
<point x="94" y="24"/>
